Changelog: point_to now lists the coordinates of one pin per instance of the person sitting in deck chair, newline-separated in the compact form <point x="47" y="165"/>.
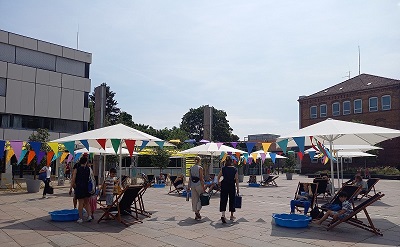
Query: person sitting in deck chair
<point x="252" y="179"/>
<point x="346" y="210"/>
<point x="161" y="179"/>
<point x="214" y="183"/>
<point x="360" y="183"/>
<point x="303" y="199"/>
<point x="179" y="182"/>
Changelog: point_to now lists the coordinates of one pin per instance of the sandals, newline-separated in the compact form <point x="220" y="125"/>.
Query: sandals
<point x="232" y="218"/>
<point x="223" y="219"/>
<point x="198" y="216"/>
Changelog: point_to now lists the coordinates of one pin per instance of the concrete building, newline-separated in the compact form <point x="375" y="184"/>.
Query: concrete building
<point x="368" y="99"/>
<point x="42" y="85"/>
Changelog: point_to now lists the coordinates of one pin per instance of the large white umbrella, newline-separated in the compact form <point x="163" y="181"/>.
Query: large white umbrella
<point x="119" y="132"/>
<point x="267" y="156"/>
<point x="336" y="132"/>
<point x="212" y="149"/>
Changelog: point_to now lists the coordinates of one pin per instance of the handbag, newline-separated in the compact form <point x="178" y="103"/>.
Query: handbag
<point x="50" y="190"/>
<point x="238" y="201"/>
<point x="205" y="199"/>
<point x="42" y="176"/>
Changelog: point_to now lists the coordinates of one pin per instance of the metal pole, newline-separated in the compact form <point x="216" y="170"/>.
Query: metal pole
<point x="341" y="163"/>
<point x="332" y="173"/>
<point x="120" y="164"/>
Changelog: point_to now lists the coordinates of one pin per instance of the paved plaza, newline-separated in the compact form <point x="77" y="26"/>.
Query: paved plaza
<point x="24" y="221"/>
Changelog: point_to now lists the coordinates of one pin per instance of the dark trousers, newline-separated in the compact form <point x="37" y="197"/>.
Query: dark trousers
<point x="46" y="186"/>
<point x="227" y="190"/>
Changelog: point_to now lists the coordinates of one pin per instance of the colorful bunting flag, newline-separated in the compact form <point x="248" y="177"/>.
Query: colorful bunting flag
<point x="326" y="159"/>
<point x="263" y="157"/>
<point x="40" y="156"/>
<point x="160" y="143"/>
<point x="31" y="155"/>
<point x="266" y="146"/>
<point x="70" y="146"/>
<point x="115" y="143"/>
<point x="254" y="156"/>
<point x="70" y="157"/>
<point x="301" y="155"/>
<point x="312" y="154"/>
<point x="144" y="143"/>
<point x="17" y="147"/>
<point x="10" y="154"/>
<point x="234" y="144"/>
<point x="221" y="155"/>
<point x="22" y="155"/>
<point x="2" y="144"/>
<point x="49" y="157"/>
<point x="250" y="160"/>
<point x="219" y="144"/>
<point x="102" y="143"/>
<point x="85" y="143"/>
<point x="250" y="146"/>
<point x="53" y="146"/>
<point x="273" y="157"/>
<point x="130" y="145"/>
<point x="300" y="142"/>
<point x="283" y="145"/>
<point x="77" y="156"/>
<point x="63" y="156"/>
<point x="55" y="156"/>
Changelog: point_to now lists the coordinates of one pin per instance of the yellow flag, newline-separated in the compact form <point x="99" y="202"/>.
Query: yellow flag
<point x="10" y="154"/>
<point x="326" y="159"/>
<point x="53" y="146"/>
<point x="63" y="156"/>
<point x="266" y="146"/>
<point x="254" y="155"/>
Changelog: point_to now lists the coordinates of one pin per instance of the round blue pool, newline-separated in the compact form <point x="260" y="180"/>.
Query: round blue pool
<point x="254" y="185"/>
<point x="65" y="215"/>
<point x="291" y="220"/>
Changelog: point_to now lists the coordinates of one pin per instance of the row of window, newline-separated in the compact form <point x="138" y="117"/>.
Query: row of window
<point x="36" y="59"/>
<point x="386" y="104"/>
<point x="10" y="121"/>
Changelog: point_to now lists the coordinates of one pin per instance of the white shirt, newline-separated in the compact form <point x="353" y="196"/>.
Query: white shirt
<point x="48" y="171"/>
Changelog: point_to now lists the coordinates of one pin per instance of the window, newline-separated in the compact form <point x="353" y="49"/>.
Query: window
<point x="86" y="100"/>
<point x="3" y="86"/>
<point x="386" y="103"/>
<point x="322" y="110"/>
<point x="373" y="104"/>
<point x="357" y="106"/>
<point x="346" y="108"/>
<point x="336" y="109"/>
<point x="313" y="112"/>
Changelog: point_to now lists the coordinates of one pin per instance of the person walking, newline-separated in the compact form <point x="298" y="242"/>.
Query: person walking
<point x="80" y="181"/>
<point x="196" y="185"/>
<point x="227" y="185"/>
<point x="47" y="170"/>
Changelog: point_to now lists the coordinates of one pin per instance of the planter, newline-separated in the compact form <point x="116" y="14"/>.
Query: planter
<point x="33" y="186"/>
<point x="289" y="176"/>
<point x="241" y="178"/>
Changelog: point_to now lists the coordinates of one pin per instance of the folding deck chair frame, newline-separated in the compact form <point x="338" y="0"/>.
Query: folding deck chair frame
<point x="314" y="188"/>
<point x="123" y="204"/>
<point x="174" y="189"/>
<point x="322" y="185"/>
<point x="352" y="219"/>
<point x="269" y="181"/>
<point x="371" y="185"/>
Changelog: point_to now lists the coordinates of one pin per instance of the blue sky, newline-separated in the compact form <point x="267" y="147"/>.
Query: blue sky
<point x="252" y="59"/>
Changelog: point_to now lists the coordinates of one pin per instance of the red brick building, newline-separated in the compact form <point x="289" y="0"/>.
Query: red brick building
<point x="366" y="99"/>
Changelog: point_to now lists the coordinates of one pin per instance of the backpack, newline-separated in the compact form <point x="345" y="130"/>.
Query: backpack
<point x="91" y="183"/>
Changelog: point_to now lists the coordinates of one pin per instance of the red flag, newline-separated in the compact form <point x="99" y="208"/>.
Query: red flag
<point x="301" y="155"/>
<point x="130" y="145"/>
<point x="102" y="143"/>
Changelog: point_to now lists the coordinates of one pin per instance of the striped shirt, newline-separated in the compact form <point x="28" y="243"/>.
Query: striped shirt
<point x="109" y="182"/>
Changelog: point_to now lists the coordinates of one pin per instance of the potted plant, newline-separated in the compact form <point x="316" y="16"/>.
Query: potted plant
<point x="290" y="164"/>
<point x="41" y="135"/>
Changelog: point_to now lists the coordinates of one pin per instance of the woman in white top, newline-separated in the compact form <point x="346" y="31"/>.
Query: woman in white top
<point x="196" y="185"/>
<point x="47" y="170"/>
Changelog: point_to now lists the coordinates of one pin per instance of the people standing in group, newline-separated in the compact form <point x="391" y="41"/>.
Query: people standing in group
<point x="80" y="181"/>
<point x="47" y="170"/>
<point x="196" y="185"/>
<point x="227" y="185"/>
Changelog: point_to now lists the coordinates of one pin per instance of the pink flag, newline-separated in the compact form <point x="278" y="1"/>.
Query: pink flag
<point x="219" y="144"/>
<point x="17" y="147"/>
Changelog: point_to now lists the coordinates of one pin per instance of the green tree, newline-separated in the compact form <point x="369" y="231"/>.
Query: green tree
<point x="41" y="135"/>
<point x="192" y="123"/>
<point x="160" y="158"/>
<point x="112" y="111"/>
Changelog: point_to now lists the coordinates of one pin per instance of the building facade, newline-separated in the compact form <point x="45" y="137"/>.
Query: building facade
<point x="367" y="99"/>
<point x="42" y="85"/>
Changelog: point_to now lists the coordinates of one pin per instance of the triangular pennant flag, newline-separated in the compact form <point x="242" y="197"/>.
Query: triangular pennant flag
<point x="237" y="155"/>
<point x="63" y="156"/>
<point x="250" y="160"/>
<point x="77" y="156"/>
<point x="219" y="144"/>
<point x="22" y="155"/>
<point x="10" y="154"/>
<point x="55" y="156"/>
<point x="266" y="146"/>
<point x="2" y="144"/>
<point x="70" y="146"/>
<point x="17" y="147"/>
<point x="234" y="144"/>
<point x="102" y="143"/>
<point x="91" y="155"/>
<point x="130" y="145"/>
<point x="85" y="143"/>
<point x="144" y="143"/>
<point x="160" y="143"/>
<point x="221" y="155"/>
<point x="300" y="142"/>
<point x="300" y="154"/>
<point x="224" y="157"/>
<point x="283" y="145"/>
<point x="49" y="157"/>
<point x="246" y="156"/>
<point x="70" y="157"/>
<point x="35" y="146"/>
<point x="312" y="154"/>
<point x="53" y="146"/>
<point x="263" y="156"/>
<point x="115" y="143"/>
<point x="254" y="156"/>
<point x="250" y="146"/>
<point x="40" y="156"/>
<point x="31" y="155"/>
<point x="326" y="159"/>
<point x="273" y="157"/>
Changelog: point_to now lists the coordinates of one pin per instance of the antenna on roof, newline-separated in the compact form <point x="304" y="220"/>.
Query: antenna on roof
<point x="359" y="61"/>
<point x="77" y="39"/>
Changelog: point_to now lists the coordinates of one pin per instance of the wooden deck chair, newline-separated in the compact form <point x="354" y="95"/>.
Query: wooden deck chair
<point x="18" y="185"/>
<point x="350" y="190"/>
<point x="314" y="188"/>
<point x="322" y="185"/>
<point x="175" y="187"/>
<point x="353" y="220"/>
<point x="151" y="179"/>
<point x="8" y="185"/>
<point x="269" y="181"/>
<point x="124" y="204"/>
<point x="371" y="185"/>
<point x="139" y="201"/>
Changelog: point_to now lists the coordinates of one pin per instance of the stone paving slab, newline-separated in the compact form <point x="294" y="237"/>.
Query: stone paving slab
<point x="24" y="221"/>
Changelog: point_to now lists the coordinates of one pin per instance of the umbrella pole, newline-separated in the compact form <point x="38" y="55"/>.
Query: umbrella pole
<point x="338" y="171"/>
<point x="120" y="164"/>
<point x="341" y="164"/>
<point x="332" y="173"/>
<point x="104" y="167"/>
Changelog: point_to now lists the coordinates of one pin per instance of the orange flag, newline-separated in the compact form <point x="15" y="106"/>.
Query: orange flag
<point x="49" y="157"/>
<point x="31" y="155"/>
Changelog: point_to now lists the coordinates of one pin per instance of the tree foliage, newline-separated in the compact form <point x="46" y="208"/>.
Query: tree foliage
<point x="192" y="123"/>
<point x="41" y="135"/>
<point x="160" y="158"/>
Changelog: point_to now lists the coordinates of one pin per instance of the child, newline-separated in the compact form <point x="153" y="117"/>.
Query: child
<point x="108" y="187"/>
<point x="344" y="212"/>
